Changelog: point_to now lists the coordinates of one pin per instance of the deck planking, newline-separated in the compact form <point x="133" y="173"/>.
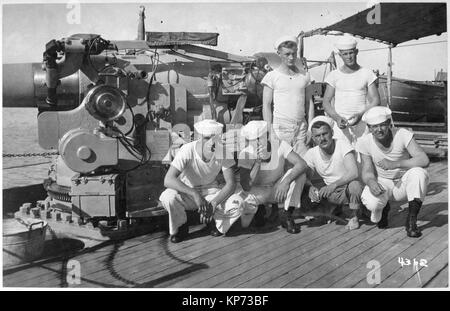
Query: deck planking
<point x="321" y="256"/>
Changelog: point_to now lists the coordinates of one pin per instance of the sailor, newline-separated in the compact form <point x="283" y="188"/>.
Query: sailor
<point x="191" y="180"/>
<point x="286" y="88"/>
<point x="393" y="167"/>
<point x="354" y="91"/>
<point x="335" y="161"/>
<point x="263" y="179"/>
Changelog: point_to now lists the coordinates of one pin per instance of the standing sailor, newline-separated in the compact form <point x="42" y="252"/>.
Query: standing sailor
<point x="354" y="91"/>
<point x="191" y="180"/>
<point x="286" y="88"/>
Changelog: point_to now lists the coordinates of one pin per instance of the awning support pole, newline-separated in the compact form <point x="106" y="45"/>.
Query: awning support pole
<point x="389" y="76"/>
<point x="301" y="50"/>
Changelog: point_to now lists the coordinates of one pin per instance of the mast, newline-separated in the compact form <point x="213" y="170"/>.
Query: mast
<point x="141" y="24"/>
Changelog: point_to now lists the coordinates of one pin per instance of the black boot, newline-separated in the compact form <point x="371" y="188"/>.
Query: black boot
<point x="411" y="219"/>
<point x="273" y="217"/>
<point x="214" y="231"/>
<point x="383" y="223"/>
<point x="288" y="221"/>
<point x="182" y="233"/>
<point x="259" y="219"/>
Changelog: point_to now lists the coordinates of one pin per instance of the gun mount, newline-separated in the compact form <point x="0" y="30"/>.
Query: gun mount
<point x="117" y="112"/>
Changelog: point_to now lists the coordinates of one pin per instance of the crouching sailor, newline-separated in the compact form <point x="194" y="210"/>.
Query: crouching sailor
<point x="334" y="160"/>
<point x="263" y="179"/>
<point x="191" y="180"/>
<point x="398" y="161"/>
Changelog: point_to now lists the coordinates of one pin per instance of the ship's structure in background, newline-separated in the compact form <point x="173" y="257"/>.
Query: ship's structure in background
<point x="418" y="105"/>
<point x="412" y="101"/>
<point x="117" y="112"/>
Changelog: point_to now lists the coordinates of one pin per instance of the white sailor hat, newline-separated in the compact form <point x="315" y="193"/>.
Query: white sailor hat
<point x="254" y="129"/>
<point x="284" y="39"/>
<point x="227" y="215"/>
<point x="377" y="115"/>
<point x="208" y="127"/>
<point x="325" y="119"/>
<point x="346" y="43"/>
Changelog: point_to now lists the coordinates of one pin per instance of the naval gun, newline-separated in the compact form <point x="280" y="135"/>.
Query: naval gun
<point x="117" y="111"/>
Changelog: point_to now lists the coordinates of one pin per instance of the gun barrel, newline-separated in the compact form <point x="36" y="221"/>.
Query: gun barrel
<point x="24" y="86"/>
<point x="18" y="85"/>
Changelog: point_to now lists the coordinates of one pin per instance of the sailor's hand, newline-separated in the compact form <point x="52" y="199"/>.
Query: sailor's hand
<point x="281" y="191"/>
<point x="387" y="164"/>
<point x="262" y="152"/>
<point x="206" y="213"/>
<point x="375" y="188"/>
<point x="354" y="119"/>
<point x="199" y="200"/>
<point x="342" y="123"/>
<point x="314" y="194"/>
<point x="326" y="191"/>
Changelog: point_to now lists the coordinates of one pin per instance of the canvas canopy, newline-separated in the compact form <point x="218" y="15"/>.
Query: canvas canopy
<point x="180" y="38"/>
<point x="392" y="23"/>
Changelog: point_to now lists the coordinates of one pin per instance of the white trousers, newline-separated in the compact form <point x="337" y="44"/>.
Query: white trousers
<point x="177" y="203"/>
<point x="292" y="132"/>
<point x="262" y="194"/>
<point x="412" y="185"/>
<point x="350" y="133"/>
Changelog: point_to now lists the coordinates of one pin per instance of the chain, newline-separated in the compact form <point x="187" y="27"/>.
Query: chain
<point x="30" y="154"/>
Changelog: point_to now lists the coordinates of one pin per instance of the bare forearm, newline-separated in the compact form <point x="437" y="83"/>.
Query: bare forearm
<point x="178" y="185"/>
<point x="310" y="110"/>
<point x="330" y="110"/>
<point x="367" y="177"/>
<point x="267" y="114"/>
<point x="413" y="162"/>
<point x="296" y="171"/>
<point x="348" y="177"/>
<point x="224" y="193"/>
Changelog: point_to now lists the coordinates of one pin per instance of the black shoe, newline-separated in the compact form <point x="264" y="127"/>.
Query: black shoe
<point x="411" y="219"/>
<point x="259" y="219"/>
<point x="215" y="232"/>
<point x="182" y="233"/>
<point x="273" y="217"/>
<point x="288" y="222"/>
<point x="383" y="223"/>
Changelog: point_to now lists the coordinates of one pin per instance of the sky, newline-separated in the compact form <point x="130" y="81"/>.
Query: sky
<point x="245" y="28"/>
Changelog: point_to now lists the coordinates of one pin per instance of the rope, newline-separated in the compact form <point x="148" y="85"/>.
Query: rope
<point x="30" y="154"/>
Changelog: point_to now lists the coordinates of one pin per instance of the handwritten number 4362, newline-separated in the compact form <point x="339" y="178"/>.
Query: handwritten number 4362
<point x="407" y="262"/>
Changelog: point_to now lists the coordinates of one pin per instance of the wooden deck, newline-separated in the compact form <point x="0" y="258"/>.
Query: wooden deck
<point x="321" y="256"/>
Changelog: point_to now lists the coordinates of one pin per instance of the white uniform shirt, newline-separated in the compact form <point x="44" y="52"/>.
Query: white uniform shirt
<point x="398" y="151"/>
<point x="272" y="170"/>
<point x="331" y="169"/>
<point x="350" y="90"/>
<point x="288" y="93"/>
<point x="194" y="171"/>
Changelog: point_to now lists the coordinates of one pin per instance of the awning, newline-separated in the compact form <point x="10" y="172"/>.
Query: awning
<point x="398" y="22"/>
<point x="179" y="38"/>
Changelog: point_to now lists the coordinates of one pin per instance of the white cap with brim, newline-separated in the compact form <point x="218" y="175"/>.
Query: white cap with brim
<point x="346" y="43"/>
<point x="208" y="127"/>
<point x="254" y="129"/>
<point x="285" y="39"/>
<point x="377" y="115"/>
<point x="324" y="119"/>
<point x="226" y="216"/>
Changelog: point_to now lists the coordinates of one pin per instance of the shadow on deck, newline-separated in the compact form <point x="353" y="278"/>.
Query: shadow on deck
<point x="321" y="256"/>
